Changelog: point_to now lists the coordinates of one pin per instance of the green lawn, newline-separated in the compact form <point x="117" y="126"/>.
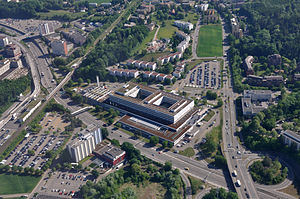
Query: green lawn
<point x="209" y="116"/>
<point x="192" y="18"/>
<point x="189" y="152"/>
<point x="12" y="184"/>
<point x="167" y="31"/>
<point x="52" y="13"/>
<point x="210" y="41"/>
<point x="152" y="56"/>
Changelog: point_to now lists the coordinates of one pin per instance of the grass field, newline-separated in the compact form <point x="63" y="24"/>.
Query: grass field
<point x="152" y="56"/>
<point x="167" y="31"/>
<point x="147" y="190"/>
<point x="52" y="13"/>
<point x="189" y="152"/>
<point x="192" y="18"/>
<point x="209" y="116"/>
<point x="12" y="184"/>
<point x="210" y="41"/>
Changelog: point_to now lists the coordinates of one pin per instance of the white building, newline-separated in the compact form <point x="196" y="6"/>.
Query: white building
<point x="3" y="41"/>
<point x="184" y="25"/>
<point x="46" y="29"/>
<point x="84" y="145"/>
<point x="59" y="47"/>
<point x="203" y="7"/>
<point x="4" y="66"/>
<point x="291" y="138"/>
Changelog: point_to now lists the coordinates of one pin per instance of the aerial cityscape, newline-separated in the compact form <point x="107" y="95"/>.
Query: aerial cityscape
<point x="150" y="99"/>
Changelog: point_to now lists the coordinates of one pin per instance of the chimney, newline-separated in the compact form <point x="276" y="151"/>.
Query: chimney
<point x="98" y="84"/>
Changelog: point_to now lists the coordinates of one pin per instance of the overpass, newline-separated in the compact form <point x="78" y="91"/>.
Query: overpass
<point x="81" y="110"/>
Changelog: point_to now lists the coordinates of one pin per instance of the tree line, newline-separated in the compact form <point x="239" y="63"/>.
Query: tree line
<point x="28" y="9"/>
<point x="10" y="90"/>
<point x="139" y="171"/>
<point x="115" y="48"/>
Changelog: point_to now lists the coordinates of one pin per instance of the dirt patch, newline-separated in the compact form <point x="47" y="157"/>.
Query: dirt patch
<point x="53" y="122"/>
<point x="147" y="191"/>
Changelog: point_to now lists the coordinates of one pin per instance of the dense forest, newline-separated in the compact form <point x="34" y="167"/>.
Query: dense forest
<point x="259" y="133"/>
<point x="270" y="26"/>
<point x="28" y="9"/>
<point x="11" y="89"/>
<point x="115" y="48"/>
<point x="139" y="172"/>
<point x="273" y="27"/>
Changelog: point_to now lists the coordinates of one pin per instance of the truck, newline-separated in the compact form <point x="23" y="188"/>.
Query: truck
<point x="234" y="173"/>
<point x="238" y="183"/>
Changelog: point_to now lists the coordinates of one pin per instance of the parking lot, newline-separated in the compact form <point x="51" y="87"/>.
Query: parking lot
<point x="52" y="122"/>
<point x="205" y="75"/>
<point x="40" y="144"/>
<point x="28" y="25"/>
<point x="64" y="184"/>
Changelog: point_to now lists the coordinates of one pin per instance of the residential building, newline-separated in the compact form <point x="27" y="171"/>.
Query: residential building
<point x="177" y="74"/>
<point x="203" y="7"/>
<point x="59" y="47"/>
<point x="291" y="138"/>
<point x="46" y="29"/>
<point x="296" y="77"/>
<point x="254" y="101"/>
<point x="184" y="25"/>
<point x="235" y="28"/>
<point x="275" y="60"/>
<point x="248" y="65"/>
<point x="3" y="41"/>
<point x="12" y="50"/>
<point x="84" y="144"/>
<point x="4" y="66"/>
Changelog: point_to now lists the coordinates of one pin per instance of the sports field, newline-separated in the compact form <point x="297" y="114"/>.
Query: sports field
<point x="11" y="184"/>
<point x="210" y="41"/>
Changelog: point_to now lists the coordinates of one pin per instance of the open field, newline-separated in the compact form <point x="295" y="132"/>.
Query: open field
<point x="166" y="31"/>
<point x="52" y="13"/>
<point x="12" y="184"/>
<point x="192" y="18"/>
<point x="147" y="191"/>
<point x="210" y="41"/>
<point x="209" y="116"/>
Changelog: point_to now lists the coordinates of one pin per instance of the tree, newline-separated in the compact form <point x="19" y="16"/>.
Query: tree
<point x="95" y="173"/>
<point x="154" y="140"/>
<point x="211" y="95"/>
<point x="115" y="142"/>
<point x="267" y="161"/>
<point x="168" y="166"/>
<point x="104" y="133"/>
<point x="220" y="102"/>
<point x="165" y="144"/>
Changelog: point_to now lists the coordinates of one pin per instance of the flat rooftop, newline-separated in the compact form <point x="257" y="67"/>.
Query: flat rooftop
<point x="152" y="129"/>
<point x="155" y="99"/>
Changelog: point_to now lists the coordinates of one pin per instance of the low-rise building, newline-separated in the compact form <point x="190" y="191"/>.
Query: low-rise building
<point x="177" y="74"/>
<point x="112" y="155"/>
<point x="3" y="41"/>
<point x="248" y="65"/>
<point x="266" y="81"/>
<point x="12" y="50"/>
<point x="291" y="138"/>
<point x="46" y="29"/>
<point x="235" y="28"/>
<point x="59" y="47"/>
<point x="254" y="101"/>
<point x="85" y="143"/>
<point x="184" y="25"/>
<point x="4" y="66"/>
<point x="275" y="60"/>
